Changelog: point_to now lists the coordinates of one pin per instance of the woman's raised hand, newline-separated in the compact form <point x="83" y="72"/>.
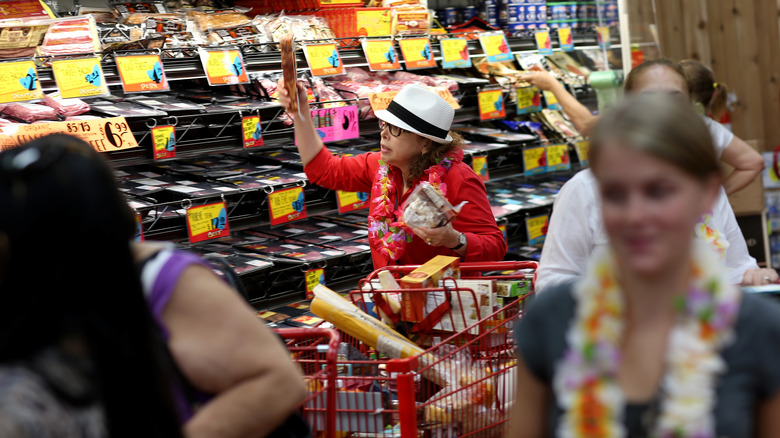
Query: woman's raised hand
<point x="285" y="101"/>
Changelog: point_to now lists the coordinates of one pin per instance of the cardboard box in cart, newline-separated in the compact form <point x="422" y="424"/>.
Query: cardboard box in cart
<point x="427" y="275"/>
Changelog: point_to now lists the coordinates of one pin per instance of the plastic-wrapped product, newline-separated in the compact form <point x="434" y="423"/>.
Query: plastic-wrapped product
<point x="206" y="21"/>
<point x="427" y="207"/>
<point x="65" y="107"/>
<point x="72" y="35"/>
<point x="30" y="112"/>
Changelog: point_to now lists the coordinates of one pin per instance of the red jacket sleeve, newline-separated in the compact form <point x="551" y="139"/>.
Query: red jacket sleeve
<point x="351" y="174"/>
<point x="485" y="240"/>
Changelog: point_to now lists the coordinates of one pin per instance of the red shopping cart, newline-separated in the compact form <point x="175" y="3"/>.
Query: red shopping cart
<point x="461" y="385"/>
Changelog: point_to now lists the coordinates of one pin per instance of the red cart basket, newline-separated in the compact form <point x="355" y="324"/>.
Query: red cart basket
<point x="462" y="385"/>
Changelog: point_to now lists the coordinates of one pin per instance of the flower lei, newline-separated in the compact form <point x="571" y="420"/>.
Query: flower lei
<point x="386" y="228"/>
<point x="586" y="383"/>
<point x="704" y="231"/>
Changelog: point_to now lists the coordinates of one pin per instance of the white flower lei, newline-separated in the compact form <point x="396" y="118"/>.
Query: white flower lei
<point x="585" y="381"/>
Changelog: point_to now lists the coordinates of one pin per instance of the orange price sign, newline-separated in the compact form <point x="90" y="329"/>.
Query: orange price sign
<point x="141" y="73"/>
<point x="323" y="59"/>
<point x="491" y="105"/>
<point x="381" y="55"/>
<point x="103" y="134"/>
<point x="417" y="53"/>
<point x="223" y="67"/>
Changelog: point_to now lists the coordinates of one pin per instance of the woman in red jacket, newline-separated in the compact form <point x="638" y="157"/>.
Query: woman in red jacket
<point x="416" y="146"/>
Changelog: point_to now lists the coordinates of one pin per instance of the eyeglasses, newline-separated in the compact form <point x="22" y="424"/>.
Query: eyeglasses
<point x="395" y="131"/>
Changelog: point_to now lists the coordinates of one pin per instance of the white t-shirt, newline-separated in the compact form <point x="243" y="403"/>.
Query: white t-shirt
<point x="576" y="228"/>
<point x="721" y="137"/>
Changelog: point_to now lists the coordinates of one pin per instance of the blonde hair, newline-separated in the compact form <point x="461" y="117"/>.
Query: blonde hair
<point x="662" y="127"/>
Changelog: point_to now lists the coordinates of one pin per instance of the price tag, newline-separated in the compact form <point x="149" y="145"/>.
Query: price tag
<point x="141" y="73"/>
<point x="251" y="131"/>
<point x="534" y="160"/>
<point x="287" y="205"/>
<point x="602" y="34"/>
<point x="380" y="101"/>
<point x="551" y="101"/>
<point x="529" y="100"/>
<point x="381" y="55"/>
<point x="164" y="141"/>
<point x="417" y="53"/>
<point x="313" y="278"/>
<point x="110" y="134"/>
<point x="491" y="105"/>
<point x="502" y="227"/>
<point x="373" y="21"/>
<point x="495" y="46"/>
<point x="223" y="67"/>
<point x="207" y="222"/>
<point x="455" y="53"/>
<point x="19" y="82"/>
<point x="323" y="59"/>
<point x="351" y="201"/>
<point x="543" y="42"/>
<point x="139" y="229"/>
<point x="480" y="166"/>
<point x="583" y="149"/>
<point x="537" y="228"/>
<point x="79" y="77"/>
<point x="558" y="157"/>
<point x="335" y="124"/>
<point x="565" y="41"/>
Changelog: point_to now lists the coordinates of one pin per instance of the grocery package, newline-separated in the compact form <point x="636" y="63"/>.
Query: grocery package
<point x="301" y="27"/>
<point x="70" y="35"/>
<point x="428" y="275"/>
<point x="427" y="207"/>
<point x="289" y="71"/>
<point x="65" y="107"/>
<point x="30" y="112"/>
<point x="208" y="20"/>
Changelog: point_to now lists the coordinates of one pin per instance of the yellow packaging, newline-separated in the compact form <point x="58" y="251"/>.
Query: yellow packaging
<point x="427" y="275"/>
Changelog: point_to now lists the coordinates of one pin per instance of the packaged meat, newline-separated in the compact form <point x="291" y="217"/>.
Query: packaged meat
<point x="427" y="207"/>
<point x="289" y="71"/>
<point x="206" y="21"/>
<point x="69" y="36"/>
<point x="65" y="107"/>
<point x="138" y="18"/>
<point x="30" y="112"/>
<point x="326" y="93"/>
<point x="125" y="9"/>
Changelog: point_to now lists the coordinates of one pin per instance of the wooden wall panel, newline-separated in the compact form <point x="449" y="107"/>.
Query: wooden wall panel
<point x="740" y="40"/>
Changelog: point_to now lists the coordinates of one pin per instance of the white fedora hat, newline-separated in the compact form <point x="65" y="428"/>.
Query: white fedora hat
<point x="416" y="109"/>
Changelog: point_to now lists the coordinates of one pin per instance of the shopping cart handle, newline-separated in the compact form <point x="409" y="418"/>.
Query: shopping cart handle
<point x="510" y="265"/>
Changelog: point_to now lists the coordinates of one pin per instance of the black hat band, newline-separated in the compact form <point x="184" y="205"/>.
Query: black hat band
<point x="416" y="122"/>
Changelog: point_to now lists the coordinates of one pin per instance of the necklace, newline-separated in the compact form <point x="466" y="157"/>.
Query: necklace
<point x="585" y="380"/>
<point x="386" y="228"/>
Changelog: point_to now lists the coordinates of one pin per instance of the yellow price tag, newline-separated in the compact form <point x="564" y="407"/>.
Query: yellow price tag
<point x="551" y="100"/>
<point x="528" y="100"/>
<point x="351" y="201"/>
<point x="251" y="131"/>
<point x="558" y="157"/>
<point x="323" y="59"/>
<point x="495" y="46"/>
<point x="491" y="105"/>
<point x="381" y="55"/>
<point x="537" y="228"/>
<point x="287" y="205"/>
<point x="223" y="67"/>
<point x="313" y="278"/>
<point x="543" y="42"/>
<point x="79" y="77"/>
<point x="583" y="150"/>
<point x="164" y="141"/>
<point x="142" y="73"/>
<point x="565" y="40"/>
<point x="19" y="82"/>
<point x="480" y="166"/>
<point x="417" y="53"/>
<point x="455" y="53"/>
<point x="602" y="34"/>
<point x="534" y="160"/>
<point x="104" y="135"/>
<point x="207" y="222"/>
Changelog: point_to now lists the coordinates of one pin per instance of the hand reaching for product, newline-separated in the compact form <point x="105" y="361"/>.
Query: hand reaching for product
<point x="541" y="80"/>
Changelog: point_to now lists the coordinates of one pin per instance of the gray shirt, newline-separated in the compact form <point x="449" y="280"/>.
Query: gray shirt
<point x="753" y="360"/>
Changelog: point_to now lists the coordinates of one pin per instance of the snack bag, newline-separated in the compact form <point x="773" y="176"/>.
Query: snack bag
<point x="427" y="207"/>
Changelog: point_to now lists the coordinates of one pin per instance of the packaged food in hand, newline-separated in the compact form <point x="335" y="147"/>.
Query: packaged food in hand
<point x="289" y="70"/>
<point x="427" y="207"/>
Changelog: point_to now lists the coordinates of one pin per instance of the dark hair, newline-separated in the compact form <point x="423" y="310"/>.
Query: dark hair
<point x="637" y="72"/>
<point x="436" y="152"/>
<point x="658" y="125"/>
<point x="68" y="271"/>
<point x="704" y="90"/>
